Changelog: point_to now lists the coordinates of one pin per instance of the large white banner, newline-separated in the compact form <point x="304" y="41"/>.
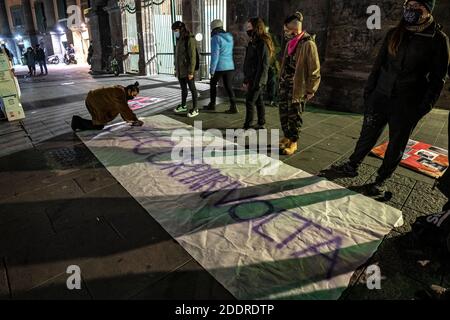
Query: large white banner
<point x="287" y="235"/>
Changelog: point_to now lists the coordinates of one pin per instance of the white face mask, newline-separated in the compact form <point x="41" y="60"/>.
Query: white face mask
<point x="177" y="34"/>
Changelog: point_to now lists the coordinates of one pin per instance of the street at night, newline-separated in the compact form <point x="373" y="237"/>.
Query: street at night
<point x="224" y="150"/>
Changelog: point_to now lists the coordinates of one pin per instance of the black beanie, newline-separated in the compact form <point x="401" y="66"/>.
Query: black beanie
<point x="429" y="4"/>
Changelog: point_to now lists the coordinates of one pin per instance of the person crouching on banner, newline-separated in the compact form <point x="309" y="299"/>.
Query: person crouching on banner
<point x="186" y="62"/>
<point x="105" y="104"/>
<point x="299" y="80"/>
<point x="406" y="81"/>
<point x="256" y="67"/>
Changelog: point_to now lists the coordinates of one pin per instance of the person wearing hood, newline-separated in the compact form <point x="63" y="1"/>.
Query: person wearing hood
<point x="222" y="65"/>
<point x="405" y="83"/>
<point x="299" y="80"/>
<point x="186" y="63"/>
<point x="105" y="104"/>
<point x="30" y="57"/>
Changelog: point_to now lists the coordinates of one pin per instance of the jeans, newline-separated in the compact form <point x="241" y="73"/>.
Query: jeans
<point x="184" y="83"/>
<point x="227" y="78"/>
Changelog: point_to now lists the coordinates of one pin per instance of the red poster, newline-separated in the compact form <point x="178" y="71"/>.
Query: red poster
<point x="421" y="157"/>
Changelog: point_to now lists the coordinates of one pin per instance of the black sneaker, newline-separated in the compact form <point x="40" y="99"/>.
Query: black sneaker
<point x="210" y="107"/>
<point x="346" y="169"/>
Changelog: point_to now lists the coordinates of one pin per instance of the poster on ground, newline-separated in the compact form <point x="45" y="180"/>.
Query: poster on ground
<point x="421" y="157"/>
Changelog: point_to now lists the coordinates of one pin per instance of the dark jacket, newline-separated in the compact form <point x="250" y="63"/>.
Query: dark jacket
<point x="185" y="56"/>
<point x="256" y="64"/>
<point x="419" y="69"/>
<point x="40" y="54"/>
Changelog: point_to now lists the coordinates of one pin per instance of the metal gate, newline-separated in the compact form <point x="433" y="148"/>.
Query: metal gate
<point x="159" y="42"/>
<point x="157" y="18"/>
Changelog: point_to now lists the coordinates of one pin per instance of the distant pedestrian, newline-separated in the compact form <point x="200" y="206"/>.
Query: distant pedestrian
<point x="90" y="54"/>
<point x="41" y="59"/>
<point x="30" y="57"/>
<point x="222" y="65"/>
<point x="105" y="104"/>
<point x="186" y="63"/>
<point x="259" y="51"/>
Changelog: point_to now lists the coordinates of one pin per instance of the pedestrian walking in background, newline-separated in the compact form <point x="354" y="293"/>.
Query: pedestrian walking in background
<point x="259" y="51"/>
<point x="105" y="104"/>
<point x="405" y="83"/>
<point x="299" y="80"/>
<point x="222" y="65"/>
<point x="41" y="59"/>
<point x="30" y="57"/>
<point x="186" y="63"/>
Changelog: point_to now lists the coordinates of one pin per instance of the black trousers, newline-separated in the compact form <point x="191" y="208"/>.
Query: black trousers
<point x="254" y="99"/>
<point x="184" y="83"/>
<point x="227" y="79"/>
<point x="272" y="85"/>
<point x="400" y="113"/>
<point x="43" y="66"/>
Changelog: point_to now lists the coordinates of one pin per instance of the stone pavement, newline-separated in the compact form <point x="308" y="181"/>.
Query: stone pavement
<point x="59" y="206"/>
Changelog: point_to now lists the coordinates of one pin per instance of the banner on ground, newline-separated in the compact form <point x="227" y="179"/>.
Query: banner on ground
<point x="288" y="235"/>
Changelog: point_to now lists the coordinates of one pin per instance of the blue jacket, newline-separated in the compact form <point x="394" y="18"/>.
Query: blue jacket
<point x="222" y="52"/>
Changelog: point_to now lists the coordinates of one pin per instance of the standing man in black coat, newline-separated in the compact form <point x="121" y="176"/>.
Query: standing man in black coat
<point x="40" y="58"/>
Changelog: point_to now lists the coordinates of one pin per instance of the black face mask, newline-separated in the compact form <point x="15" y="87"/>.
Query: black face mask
<point x="412" y="16"/>
<point x="250" y="33"/>
<point x="288" y="36"/>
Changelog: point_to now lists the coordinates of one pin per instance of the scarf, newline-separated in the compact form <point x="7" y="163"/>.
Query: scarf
<point x="420" y="27"/>
<point x="292" y="44"/>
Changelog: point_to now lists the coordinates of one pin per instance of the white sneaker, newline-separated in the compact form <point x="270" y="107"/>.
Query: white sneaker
<point x="180" y="109"/>
<point x="193" y="113"/>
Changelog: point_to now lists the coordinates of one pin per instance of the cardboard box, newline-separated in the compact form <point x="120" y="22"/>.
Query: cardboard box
<point x="8" y="88"/>
<point x="6" y="75"/>
<point x="5" y="64"/>
<point x="12" y="108"/>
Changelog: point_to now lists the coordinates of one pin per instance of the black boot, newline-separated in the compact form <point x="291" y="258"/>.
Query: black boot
<point x="347" y="169"/>
<point x="210" y="107"/>
<point x="233" y="109"/>
<point x="376" y="188"/>
<point x="75" y="124"/>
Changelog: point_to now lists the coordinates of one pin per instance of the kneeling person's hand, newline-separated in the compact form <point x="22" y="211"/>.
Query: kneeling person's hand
<point x="137" y="123"/>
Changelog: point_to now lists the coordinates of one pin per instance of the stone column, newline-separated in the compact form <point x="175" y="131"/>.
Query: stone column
<point x="100" y="35"/>
<point x="29" y="22"/>
<point x="115" y="25"/>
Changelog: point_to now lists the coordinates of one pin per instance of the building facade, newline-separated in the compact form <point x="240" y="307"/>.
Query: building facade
<point x="54" y="24"/>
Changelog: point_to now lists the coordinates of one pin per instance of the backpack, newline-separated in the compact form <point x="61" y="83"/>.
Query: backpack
<point x="197" y="56"/>
<point x="433" y="230"/>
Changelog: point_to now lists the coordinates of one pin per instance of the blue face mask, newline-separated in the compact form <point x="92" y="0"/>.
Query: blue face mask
<point x="412" y="16"/>
<point x="177" y="34"/>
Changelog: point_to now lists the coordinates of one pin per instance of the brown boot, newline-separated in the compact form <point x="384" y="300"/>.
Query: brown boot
<point x="290" y="149"/>
<point x="284" y="142"/>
